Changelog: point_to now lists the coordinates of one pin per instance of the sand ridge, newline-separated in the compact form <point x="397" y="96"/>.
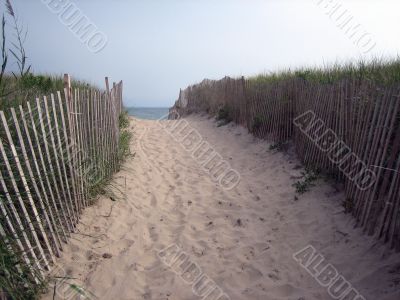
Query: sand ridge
<point x="244" y="239"/>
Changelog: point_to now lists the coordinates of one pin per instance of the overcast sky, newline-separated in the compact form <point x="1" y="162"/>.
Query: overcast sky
<point x="158" y="47"/>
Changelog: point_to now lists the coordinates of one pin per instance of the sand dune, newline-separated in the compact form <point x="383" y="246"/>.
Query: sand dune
<point x="243" y="239"/>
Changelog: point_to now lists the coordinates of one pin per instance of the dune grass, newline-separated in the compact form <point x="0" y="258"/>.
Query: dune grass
<point x="16" y="277"/>
<point x="125" y="137"/>
<point x="18" y="90"/>
<point x="379" y="71"/>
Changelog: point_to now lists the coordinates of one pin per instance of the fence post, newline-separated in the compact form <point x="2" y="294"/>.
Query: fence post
<point x="67" y="85"/>
<point x="107" y="86"/>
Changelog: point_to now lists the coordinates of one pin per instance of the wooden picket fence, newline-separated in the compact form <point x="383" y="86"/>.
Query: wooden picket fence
<point x="54" y="152"/>
<point x="365" y="120"/>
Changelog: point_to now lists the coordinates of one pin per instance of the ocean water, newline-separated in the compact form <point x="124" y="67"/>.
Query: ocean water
<point x="149" y="113"/>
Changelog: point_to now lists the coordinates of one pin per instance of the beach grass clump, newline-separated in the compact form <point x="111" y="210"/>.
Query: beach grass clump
<point x="224" y="116"/>
<point x="124" y="120"/>
<point x="124" y="145"/>
<point x="304" y="185"/>
<point x="16" y="278"/>
<point x="258" y="122"/>
<point x="125" y="137"/>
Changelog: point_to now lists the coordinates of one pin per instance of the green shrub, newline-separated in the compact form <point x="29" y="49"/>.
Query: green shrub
<point x="258" y="121"/>
<point x="18" y="285"/>
<point x="224" y="116"/>
<point x="125" y="137"/>
<point x="124" y="120"/>
<point x="38" y="82"/>
<point x="307" y="181"/>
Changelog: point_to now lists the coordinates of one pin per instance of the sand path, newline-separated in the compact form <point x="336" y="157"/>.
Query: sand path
<point x="243" y="239"/>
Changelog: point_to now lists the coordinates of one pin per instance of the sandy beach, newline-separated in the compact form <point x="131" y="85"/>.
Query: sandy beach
<point x="243" y="239"/>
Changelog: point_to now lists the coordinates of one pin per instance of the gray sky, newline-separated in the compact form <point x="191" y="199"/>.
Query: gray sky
<point x="157" y="47"/>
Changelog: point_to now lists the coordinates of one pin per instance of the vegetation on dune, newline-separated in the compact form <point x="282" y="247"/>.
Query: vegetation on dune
<point x="19" y="90"/>
<point x="125" y="137"/>
<point x="15" y="277"/>
<point x="378" y="71"/>
<point x="224" y="116"/>
<point x="304" y="185"/>
<point x="18" y="279"/>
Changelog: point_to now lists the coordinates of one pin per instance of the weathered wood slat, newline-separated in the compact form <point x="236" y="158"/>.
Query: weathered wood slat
<point x="46" y="175"/>
<point x="36" y="189"/>
<point x="51" y="213"/>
